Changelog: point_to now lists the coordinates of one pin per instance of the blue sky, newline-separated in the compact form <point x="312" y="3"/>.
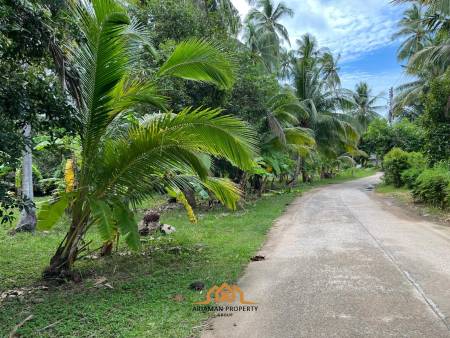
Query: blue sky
<point x="359" y="30"/>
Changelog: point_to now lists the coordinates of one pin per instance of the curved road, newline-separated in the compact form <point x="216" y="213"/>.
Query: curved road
<point x="340" y="263"/>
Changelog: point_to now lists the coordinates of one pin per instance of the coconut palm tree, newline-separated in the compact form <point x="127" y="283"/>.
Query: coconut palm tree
<point x="412" y="27"/>
<point x="364" y="108"/>
<point x="427" y="50"/>
<point x="441" y="6"/>
<point x="122" y="166"/>
<point x="322" y="99"/>
<point x="266" y="18"/>
<point x="284" y="132"/>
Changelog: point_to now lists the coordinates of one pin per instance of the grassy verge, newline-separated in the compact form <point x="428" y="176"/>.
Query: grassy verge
<point x="403" y="197"/>
<point x="148" y="294"/>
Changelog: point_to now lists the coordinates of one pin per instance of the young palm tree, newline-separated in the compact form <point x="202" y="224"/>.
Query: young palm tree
<point x="271" y="33"/>
<point x="122" y="166"/>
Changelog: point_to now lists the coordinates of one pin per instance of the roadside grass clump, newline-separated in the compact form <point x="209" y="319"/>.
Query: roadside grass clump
<point x="432" y="186"/>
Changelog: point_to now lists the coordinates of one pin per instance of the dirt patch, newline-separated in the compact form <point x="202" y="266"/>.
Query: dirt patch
<point x="402" y="205"/>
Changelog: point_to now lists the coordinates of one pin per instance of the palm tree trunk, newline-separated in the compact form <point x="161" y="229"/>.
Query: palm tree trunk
<point x="27" y="220"/>
<point x="296" y="172"/>
<point x="62" y="261"/>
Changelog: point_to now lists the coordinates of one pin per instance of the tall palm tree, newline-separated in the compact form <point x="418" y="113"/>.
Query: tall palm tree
<point x="322" y="99"/>
<point x="435" y="46"/>
<point x="442" y="6"/>
<point x="412" y="27"/>
<point x="285" y="134"/>
<point x="426" y="48"/>
<point x="266" y="18"/>
<point x="330" y="70"/>
<point x="122" y="166"/>
<point x="364" y="108"/>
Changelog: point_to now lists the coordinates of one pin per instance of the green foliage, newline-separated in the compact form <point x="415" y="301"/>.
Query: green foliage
<point x="127" y="226"/>
<point x="417" y="164"/>
<point x="378" y="138"/>
<point x="394" y="163"/>
<point x="199" y="60"/>
<point x="407" y="135"/>
<point x="432" y="184"/>
<point x="162" y="14"/>
<point x="215" y="250"/>
<point x="381" y="137"/>
<point x="126" y="159"/>
<point x="409" y="176"/>
<point x="51" y="211"/>
<point x="436" y="120"/>
<point x="102" y="219"/>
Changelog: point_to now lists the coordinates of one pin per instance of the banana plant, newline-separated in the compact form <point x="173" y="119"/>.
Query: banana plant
<point x="122" y="167"/>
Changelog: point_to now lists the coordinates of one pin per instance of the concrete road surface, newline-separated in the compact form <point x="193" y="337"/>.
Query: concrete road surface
<point x="341" y="263"/>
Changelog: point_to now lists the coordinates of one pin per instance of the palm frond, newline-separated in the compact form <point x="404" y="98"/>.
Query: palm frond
<point x="200" y="60"/>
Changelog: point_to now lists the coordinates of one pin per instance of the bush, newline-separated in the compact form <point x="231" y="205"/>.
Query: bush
<point x="394" y="163"/>
<point x="417" y="164"/>
<point x="432" y="186"/>
<point x="409" y="176"/>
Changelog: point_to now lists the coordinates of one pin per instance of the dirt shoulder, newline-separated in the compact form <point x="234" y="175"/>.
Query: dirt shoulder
<point x="401" y="202"/>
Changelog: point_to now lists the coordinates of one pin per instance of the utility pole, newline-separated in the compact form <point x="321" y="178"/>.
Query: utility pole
<point x="391" y="105"/>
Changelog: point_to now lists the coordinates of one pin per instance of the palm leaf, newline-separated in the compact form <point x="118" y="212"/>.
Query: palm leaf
<point x="50" y="212"/>
<point x="200" y="60"/>
<point x="225" y="190"/>
<point x="102" y="217"/>
<point x="127" y="226"/>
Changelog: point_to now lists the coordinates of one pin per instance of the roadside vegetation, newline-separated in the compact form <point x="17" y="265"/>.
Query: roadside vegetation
<point x="150" y="296"/>
<point x="114" y="111"/>
<point x="413" y="146"/>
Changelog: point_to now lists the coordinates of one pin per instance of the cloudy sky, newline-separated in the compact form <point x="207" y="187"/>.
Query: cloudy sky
<point x="359" y="30"/>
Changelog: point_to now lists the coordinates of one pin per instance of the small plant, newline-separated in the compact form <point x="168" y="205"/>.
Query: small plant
<point x="395" y="162"/>
<point x="432" y="186"/>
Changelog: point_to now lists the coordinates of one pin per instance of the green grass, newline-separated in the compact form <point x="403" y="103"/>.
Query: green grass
<point x="404" y="197"/>
<point x="389" y="189"/>
<point x="344" y="176"/>
<point x="142" y="302"/>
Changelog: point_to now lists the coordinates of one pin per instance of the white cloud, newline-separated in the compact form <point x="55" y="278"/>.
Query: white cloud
<point x="348" y="27"/>
<point x="352" y="28"/>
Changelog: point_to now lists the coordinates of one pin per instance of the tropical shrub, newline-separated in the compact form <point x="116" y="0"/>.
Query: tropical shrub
<point x="432" y="186"/>
<point x="409" y="176"/>
<point x="394" y="163"/>
<point x="417" y="164"/>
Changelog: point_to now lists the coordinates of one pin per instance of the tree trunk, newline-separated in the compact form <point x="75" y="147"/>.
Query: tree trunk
<point x="296" y="172"/>
<point x="62" y="261"/>
<point x="27" y="220"/>
<point x="190" y="197"/>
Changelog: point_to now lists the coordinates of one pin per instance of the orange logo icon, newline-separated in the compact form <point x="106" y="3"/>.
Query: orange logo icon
<point x="225" y="293"/>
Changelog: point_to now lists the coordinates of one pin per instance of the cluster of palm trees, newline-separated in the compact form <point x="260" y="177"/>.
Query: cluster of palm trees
<point x="313" y="117"/>
<point x="425" y="28"/>
<point x="123" y="161"/>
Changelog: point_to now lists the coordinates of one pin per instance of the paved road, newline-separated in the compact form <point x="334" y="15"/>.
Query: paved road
<point x="341" y="263"/>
